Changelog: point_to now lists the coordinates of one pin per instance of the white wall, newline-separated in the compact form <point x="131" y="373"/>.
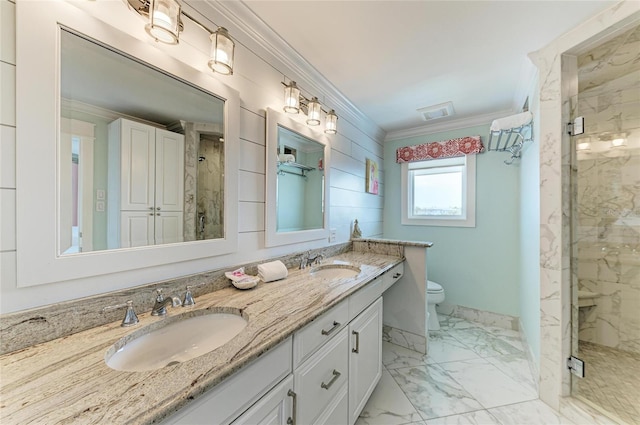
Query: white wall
<point x="258" y="82"/>
<point x="530" y="233"/>
<point x="478" y="267"/>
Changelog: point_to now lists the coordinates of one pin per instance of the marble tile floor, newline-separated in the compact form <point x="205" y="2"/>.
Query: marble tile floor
<point x="612" y="380"/>
<point x="473" y="374"/>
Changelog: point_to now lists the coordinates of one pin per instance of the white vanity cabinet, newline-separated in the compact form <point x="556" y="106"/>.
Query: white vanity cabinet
<point x="146" y="185"/>
<point x="256" y="394"/>
<point x="365" y="357"/>
<point x="275" y="408"/>
<point x="338" y="359"/>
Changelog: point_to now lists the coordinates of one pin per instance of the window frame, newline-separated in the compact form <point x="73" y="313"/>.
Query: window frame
<point x="468" y="167"/>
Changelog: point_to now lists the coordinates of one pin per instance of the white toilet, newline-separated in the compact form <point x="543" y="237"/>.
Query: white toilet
<point x="435" y="295"/>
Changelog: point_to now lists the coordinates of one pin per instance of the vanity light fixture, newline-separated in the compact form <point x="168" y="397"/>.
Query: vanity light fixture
<point x="291" y="98"/>
<point x="331" y="123"/>
<point x="222" y="51"/>
<point x="164" y="21"/>
<point x="313" y="113"/>
<point x="294" y="102"/>
<point x="165" y="25"/>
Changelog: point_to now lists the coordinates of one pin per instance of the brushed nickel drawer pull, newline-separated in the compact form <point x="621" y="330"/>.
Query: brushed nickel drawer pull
<point x="336" y="375"/>
<point x="292" y="420"/>
<point x="397" y="275"/>
<point x="357" y="349"/>
<point x="336" y="325"/>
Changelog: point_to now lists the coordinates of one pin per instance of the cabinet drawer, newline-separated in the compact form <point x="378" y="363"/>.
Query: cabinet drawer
<point x="321" y="378"/>
<point x="338" y="410"/>
<point x="365" y="296"/>
<point x="308" y="339"/>
<point x="393" y="275"/>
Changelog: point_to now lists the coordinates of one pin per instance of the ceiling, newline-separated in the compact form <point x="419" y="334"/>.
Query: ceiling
<point x="390" y="58"/>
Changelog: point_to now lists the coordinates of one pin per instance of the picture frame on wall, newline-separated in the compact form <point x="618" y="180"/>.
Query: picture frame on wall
<point x="372" y="177"/>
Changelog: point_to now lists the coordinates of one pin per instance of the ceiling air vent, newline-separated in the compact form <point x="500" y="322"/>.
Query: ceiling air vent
<point x="443" y="110"/>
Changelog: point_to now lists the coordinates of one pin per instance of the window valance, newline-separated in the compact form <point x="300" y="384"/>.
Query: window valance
<point x="442" y="149"/>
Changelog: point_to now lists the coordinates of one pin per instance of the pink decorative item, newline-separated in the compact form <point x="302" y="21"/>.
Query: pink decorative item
<point x="443" y="149"/>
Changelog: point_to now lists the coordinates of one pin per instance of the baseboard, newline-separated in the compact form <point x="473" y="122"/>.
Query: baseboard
<point x="581" y="411"/>
<point x="485" y="317"/>
<point x="531" y="359"/>
<point x="404" y="339"/>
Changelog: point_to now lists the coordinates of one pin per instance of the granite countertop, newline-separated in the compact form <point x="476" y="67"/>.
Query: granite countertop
<point x="67" y="381"/>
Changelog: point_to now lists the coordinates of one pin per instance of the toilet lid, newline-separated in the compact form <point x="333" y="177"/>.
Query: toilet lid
<point x="433" y="286"/>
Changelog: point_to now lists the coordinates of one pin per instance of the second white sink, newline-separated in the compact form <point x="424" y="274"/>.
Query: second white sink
<point x="179" y="340"/>
<point x="335" y="271"/>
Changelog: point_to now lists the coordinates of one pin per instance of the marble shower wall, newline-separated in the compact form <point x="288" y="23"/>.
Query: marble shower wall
<point x="606" y="245"/>
<point x="197" y="175"/>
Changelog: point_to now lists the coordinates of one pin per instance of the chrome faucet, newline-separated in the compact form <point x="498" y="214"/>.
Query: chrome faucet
<point x="160" y="307"/>
<point x="307" y="260"/>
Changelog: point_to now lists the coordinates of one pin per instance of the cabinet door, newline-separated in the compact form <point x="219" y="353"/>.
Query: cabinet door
<point x="168" y="227"/>
<point x="275" y="408"/>
<point x="365" y="357"/>
<point x="136" y="228"/>
<point x="169" y="189"/>
<point x="138" y="166"/>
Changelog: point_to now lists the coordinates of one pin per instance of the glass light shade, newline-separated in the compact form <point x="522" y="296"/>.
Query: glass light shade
<point x="313" y="115"/>
<point x="331" y="123"/>
<point x="164" y="21"/>
<point x="291" y="98"/>
<point x="222" y="51"/>
<point x="618" y="140"/>
<point x="583" y="146"/>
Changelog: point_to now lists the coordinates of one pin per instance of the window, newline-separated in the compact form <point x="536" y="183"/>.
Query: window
<point x="439" y="192"/>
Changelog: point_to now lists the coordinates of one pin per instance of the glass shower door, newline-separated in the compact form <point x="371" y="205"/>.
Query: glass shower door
<point x="605" y="261"/>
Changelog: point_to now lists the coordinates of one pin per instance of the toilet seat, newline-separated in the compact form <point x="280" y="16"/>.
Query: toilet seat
<point x="433" y="287"/>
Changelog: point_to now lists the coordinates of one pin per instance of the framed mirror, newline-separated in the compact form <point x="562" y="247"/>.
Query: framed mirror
<point x="297" y="184"/>
<point x="141" y="157"/>
<point x="136" y="152"/>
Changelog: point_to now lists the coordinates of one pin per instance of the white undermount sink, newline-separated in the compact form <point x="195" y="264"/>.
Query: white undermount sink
<point x="335" y="271"/>
<point x="174" y="340"/>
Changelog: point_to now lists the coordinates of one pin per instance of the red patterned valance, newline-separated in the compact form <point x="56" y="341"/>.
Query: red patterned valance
<point x="443" y="149"/>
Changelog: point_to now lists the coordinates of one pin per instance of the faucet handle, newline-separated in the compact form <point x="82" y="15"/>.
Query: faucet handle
<point x="130" y="317"/>
<point x="159" y="296"/>
<point x="188" y="297"/>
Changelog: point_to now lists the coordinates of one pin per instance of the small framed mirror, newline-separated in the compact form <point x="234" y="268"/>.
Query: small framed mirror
<point x="297" y="184"/>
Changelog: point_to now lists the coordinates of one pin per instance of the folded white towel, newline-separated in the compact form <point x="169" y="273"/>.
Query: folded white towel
<point x="286" y="157"/>
<point x="513" y="121"/>
<point x="275" y="270"/>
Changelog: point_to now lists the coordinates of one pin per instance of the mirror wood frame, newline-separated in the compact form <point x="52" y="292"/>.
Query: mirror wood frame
<point x="38" y="130"/>
<point x="272" y="236"/>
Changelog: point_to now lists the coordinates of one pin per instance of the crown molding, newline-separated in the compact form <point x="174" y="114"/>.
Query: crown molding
<point x="448" y="125"/>
<point x="309" y="78"/>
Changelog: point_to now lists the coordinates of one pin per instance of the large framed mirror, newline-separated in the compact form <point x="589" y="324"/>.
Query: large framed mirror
<point x="297" y="158"/>
<point x="133" y="161"/>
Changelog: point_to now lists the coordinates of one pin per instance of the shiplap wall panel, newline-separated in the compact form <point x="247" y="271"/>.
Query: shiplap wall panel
<point x="259" y="86"/>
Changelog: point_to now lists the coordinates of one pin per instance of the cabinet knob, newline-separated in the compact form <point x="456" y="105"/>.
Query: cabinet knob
<point x="336" y="375"/>
<point x="336" y="325"/>
<point x="292" y="419"/>
<point x="357" y="349"/>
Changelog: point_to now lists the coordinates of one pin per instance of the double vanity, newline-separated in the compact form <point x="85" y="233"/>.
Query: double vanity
<point x="308" y="350"/>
